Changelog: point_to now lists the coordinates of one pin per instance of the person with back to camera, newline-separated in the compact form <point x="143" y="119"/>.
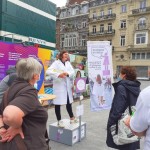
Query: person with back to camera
<point x="127" y="89"/>
<point x="7" y="81"/>
<point x="62" y="71"/>
<point x="24" y="115"/>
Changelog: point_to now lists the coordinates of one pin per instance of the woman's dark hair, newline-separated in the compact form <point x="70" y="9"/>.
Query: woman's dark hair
<point x="61" y="54"/>
<point x="78" y="72"/>
<point x="130" y="72"/>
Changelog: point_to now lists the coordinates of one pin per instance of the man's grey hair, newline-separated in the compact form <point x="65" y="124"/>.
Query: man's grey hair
<point x="27" y="67"/>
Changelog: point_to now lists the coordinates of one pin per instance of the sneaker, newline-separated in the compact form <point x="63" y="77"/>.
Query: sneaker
<point x="75" y="120"/>
<point x="61" y="124"/>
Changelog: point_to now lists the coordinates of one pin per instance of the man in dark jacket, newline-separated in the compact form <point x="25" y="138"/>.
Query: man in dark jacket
<point x="126" y="93"/>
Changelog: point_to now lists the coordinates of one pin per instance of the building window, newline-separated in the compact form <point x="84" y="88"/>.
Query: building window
<point x="122" y="40"/>
<point x="62" y="42"/>
<point x="77" y="11"/>
<point x="84" y="24"/>
<point x="123" y="24"/>
<point x="148" y="56"/>
<point x="94" y="15"/>
<point x="74" y="40"/>
<point x="84" y="9"/>
<point x="133" y="56"/>
<point x="63" y="27"/>
<point x="66" y="41"/>
<point x="124" y="8"/>
<point x="94" y="29"/>
<point x="141" y="38"/>
<point x="109" y="11"/>
<point x="102" y="28"/>
<point x="143" y="4"/>
<point x="102" y="13"/>
<point x="83" y="42"/>
<point x="141" y="23"/>
<point x="109" y="27"/>
<point x="142" y="55"/>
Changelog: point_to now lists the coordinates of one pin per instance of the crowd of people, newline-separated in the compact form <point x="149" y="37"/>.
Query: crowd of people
<point x="23" y="118"/>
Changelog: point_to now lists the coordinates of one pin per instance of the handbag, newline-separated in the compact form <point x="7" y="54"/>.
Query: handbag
<point x="17" y="142"/>
<point x="122" y="134"/>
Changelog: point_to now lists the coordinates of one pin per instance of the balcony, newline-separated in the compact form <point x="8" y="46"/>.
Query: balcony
<point x="141" y="11"/>
<point x="142" y="26"/>
<point x="103" y="18"/>
<point x="82" y="48"/>
<point x="76" y="48"/>
<point x="102" y="33"/>
<point x="144" y="47"/>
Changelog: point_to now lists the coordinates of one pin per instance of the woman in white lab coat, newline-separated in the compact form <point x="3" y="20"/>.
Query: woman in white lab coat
<point x="62" y="72"/>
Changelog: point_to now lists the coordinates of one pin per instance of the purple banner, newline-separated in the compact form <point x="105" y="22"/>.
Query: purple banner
<point x="10" y="53"/>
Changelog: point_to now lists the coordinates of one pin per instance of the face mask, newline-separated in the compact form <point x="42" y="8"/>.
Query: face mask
<point x="119" y="78"/>
<point x="36" y="85"/>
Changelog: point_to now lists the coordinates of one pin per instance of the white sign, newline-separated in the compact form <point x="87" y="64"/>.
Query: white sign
<point x="79" y="110"/>
<point x="38" y="41"/>
<point x="81" y="85"/>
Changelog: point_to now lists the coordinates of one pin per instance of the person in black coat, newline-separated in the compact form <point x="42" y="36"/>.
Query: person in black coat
<point x="127" y="89"/>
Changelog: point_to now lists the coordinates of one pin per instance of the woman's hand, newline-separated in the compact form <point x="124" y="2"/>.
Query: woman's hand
<point x="10" y="133"/>
<point x="63" y="75"/>
<point x="3" y="138"/>
<point x="127" y="121"/>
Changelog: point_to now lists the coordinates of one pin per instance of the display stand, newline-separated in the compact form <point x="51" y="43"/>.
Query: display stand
<point x="80" y="88"/>
<point x="69" y="135"/>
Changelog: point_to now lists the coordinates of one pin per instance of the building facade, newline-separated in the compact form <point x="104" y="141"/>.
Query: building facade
<point x="74" y="27"/>
<point x="126" y="24"/>
<point x="26" y="21"/>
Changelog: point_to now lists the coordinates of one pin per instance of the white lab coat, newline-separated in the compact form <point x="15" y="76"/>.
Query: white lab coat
<point x="61" y="86"/>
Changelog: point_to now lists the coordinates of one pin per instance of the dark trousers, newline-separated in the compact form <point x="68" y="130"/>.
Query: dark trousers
<point x="68" y="107"/>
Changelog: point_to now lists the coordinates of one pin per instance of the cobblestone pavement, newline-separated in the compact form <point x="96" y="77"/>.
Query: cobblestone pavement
<point x="96" y="127"/>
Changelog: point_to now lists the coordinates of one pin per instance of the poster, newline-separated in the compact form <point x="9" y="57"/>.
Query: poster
<point x="100" y="74"/>
<point x="10" y="53"/>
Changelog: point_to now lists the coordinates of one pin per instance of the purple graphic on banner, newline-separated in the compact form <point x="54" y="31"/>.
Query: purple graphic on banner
<point x="80" y="85"/>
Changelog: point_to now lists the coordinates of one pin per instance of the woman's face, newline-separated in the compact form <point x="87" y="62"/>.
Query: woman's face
<point x="65" y="57"/>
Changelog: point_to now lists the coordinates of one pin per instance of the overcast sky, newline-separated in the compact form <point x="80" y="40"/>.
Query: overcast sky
<point x="59" y="3"/>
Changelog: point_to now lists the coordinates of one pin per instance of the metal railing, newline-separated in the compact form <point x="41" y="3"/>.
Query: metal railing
<point x="103" y="33"/>
<point x="102" y="18"/>
<point x="140" y="10"/>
